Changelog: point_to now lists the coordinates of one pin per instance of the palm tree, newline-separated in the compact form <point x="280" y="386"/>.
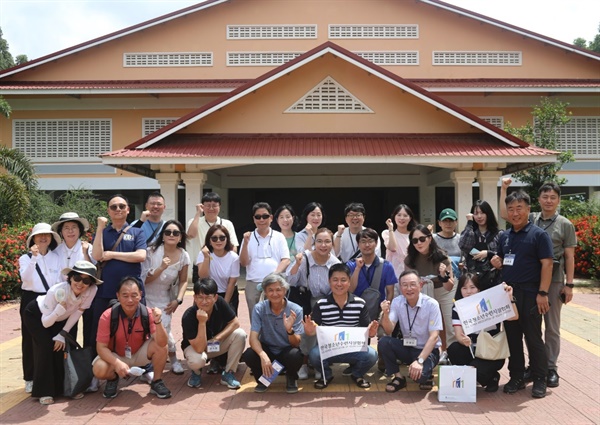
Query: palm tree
<point x="17" y="180"/>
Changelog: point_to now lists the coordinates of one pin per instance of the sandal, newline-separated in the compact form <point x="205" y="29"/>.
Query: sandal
<point x="426" y="386"/>
<point x="320" y="383"/>
<point x="361" y="382"/>
<point x="395" y="384"/>
<point x="46" y="401"/>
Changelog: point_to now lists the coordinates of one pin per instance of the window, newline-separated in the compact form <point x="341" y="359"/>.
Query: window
<point x="581" y="136"/>
<point x="150" y="125"/>
<point x="373" y="31"/>
<point x="477" y="58"/>
<point x="391" y="58"/>
<point x="260" y="58"/>
<point x="497" y="121"/>
<point x="249" y="32"/>
<point x="151" y="60"/>
<point x="54" y="140"/>
<point x="329" y="97"/>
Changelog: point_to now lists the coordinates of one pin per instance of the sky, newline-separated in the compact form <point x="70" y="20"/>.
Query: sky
<point x="40" y="27"/>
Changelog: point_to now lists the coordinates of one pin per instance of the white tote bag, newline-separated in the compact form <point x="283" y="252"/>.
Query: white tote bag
<point x="457" y="384"/>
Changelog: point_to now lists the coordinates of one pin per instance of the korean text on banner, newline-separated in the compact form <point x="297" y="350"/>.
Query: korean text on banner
<point x="335" y="340"/>
<point x="484" y="309"/>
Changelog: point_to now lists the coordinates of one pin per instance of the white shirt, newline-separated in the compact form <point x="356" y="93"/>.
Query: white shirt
<point x="194" y="245"/>
<point x="49" y="265"/>
<point x="68" y="257"/>
<point x="265" y="254"/>
<point x="221" y="269"/>
<point x="348" y="245"/>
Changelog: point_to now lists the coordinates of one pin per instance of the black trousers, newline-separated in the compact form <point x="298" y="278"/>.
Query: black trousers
<point x="460" y="355"/>
<point x="235" y="299"/>
<point x="529" y="326"/>
<point x="290" y="357"/>
<point x="26" y="338"/>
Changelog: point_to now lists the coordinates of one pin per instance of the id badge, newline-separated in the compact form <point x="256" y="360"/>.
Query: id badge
<point x="509" y="259"/>
<point x="128" y="351"/>
<point x="213" y="347"/>
<point x="410" y="342"/>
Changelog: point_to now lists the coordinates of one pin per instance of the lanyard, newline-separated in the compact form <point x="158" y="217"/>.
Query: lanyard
<point x="410" y="325"/>
<point x="292" y="242"/>
<point x="127" y="333"/>
<point x="270" y="237"/>
<point x="351" y="241"/>
<point x="539" y="219"/>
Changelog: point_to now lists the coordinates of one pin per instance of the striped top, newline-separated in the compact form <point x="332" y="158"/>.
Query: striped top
<point x="326" y="312"/>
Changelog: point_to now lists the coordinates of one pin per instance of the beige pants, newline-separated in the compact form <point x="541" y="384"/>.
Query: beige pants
<point x="233" y="345"/>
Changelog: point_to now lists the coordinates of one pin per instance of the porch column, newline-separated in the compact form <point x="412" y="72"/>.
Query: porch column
<point x="488" y="188"/>
<point x="426" y="202"/>
<point x="194" y="184"/>
<point x="168" y="188"/>
<point x="463" y="195"/>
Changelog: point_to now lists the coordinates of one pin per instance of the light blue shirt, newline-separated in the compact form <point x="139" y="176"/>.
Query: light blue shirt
<point x="419" y="320"/>
<point x="270" y="328"/>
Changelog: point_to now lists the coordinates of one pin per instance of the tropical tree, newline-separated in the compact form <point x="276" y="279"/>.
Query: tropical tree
<point x="17" y="181"/>
<point x="549" y="117"/>
<point x="593" y="45"/>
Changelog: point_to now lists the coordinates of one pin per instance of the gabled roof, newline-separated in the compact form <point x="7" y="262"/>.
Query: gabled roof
<point x="334" y="49"/>
<point x="209" y="3"/>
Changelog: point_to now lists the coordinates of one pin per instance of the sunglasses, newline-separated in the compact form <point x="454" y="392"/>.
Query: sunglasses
<point x="86" y="280"/>
<point x="115" y="207"/>
<point x="218" y="238"/>
<point x="172" y="232"/>
<point x="419" y="239"/>
<point x="262" y="217"/>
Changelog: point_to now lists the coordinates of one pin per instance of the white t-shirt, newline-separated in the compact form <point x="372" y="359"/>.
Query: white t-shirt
<point x="195" y="245"/>
<point x="265" y="254"/>
<point x="222" y="268"/>
<point x="348" y="245"/>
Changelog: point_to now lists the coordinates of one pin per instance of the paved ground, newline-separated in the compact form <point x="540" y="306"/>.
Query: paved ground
<point x="576" y="401"/>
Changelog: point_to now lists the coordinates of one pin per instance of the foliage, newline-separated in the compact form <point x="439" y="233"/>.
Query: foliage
<point x="577" y="206"/>
<point x="12" y="246"/>
<point x="19" y="165"/>
<point x="5" y="108"/>
<point x="593" y="45"/>
<point x="82" y="201"/>
<point x="21" y="59"/>
<point x="549" y="116"/>
<point x="587" y="251"/>
<point x="17" y="180"/>
<point x="6" y="59"/>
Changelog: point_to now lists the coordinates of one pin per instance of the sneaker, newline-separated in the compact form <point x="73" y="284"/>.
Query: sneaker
<point x="527" y="376"/>
<point x="291" y="386"/>
<point x="176" y="368"/>
<point x="303" y="372"/>
<point x="228" y="379"/>
<point x="111" y="387"/>
<point x="260" y="388"/>
<point x="347" y="371"/>
<point x="147" y="377"/>
<point x="553" y="379"/>
<point x="539" y="388"/>
<point x="492" y="386"/>
<point x="444" y="358"/>
<point x="514" y="385"/>
<point x="195" y="380"/>
<point x="28" y="387"/>
<point x="159" y="389"/>
<point x="214" y="368"/>
<point x="93" y="385"/>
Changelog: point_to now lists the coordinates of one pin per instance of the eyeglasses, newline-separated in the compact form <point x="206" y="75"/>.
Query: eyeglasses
<point x="409" y="285"/>
<point x="115" y="207"/>
<point x="419" y="239"/>
<point x="357" y="215"/>
<point x="86" y="280"/>
<point x="218" y="238"/>
<point x="211" y="206"/>
<point x="262" y="216"/>
<point x="172" y="232"/>
<point x="367" y="241"/>
<point x="204" y="298"/>
<point x="155" y="204"/>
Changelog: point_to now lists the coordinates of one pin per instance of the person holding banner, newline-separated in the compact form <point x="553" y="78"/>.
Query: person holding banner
<point x="420" y="320"/>
<point x="341" y="309"/>
<point x="463" y="351"/>
<point x="275" y="334"/>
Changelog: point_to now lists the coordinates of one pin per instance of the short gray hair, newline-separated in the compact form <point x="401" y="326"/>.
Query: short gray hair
<point x="273" y="278"/>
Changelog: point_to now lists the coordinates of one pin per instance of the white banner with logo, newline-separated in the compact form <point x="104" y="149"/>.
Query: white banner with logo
<point x="484" y="309"/>
<point x="336" y="340"/>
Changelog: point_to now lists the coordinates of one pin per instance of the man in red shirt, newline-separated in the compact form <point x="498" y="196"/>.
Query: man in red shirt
<point x="130" y="345"/>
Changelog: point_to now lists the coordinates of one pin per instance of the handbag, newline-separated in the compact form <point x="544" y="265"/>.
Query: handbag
<point x="492" y="347"/>
<point x="457" y="384"/>
<point x="78" y="366"/>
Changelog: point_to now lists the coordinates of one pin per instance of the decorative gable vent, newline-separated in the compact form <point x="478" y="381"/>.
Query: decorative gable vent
<point x="167" y="59"/>
<point x="391" y="58"/>
<point x="329" y="97"/>
<point x="497" y="121"/>
<point x="260" y="58"/>
<point x="288" y="32"/>
<point x="581" y="136"/>
<point x="477" y="58"/>
<point x="373" y="31"/>
<point x="150" y="125"/>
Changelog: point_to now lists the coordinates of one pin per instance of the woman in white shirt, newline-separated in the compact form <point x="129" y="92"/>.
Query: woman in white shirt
<point x="72" y="249"/>
<point x="395" y="237"/>
<point x="165" y="273"/>
<point x="220" y="262"/>
<point x="312" y="218"/>
<point x="45" y="317"/>
<point x="39" y="270"/>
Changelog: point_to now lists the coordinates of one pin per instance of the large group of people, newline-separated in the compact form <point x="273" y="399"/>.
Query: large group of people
<point x="131" y="278"/>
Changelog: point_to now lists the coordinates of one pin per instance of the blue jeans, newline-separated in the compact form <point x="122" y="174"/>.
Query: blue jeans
<point x="360" y="361"/>
<point x="392" y="349"/>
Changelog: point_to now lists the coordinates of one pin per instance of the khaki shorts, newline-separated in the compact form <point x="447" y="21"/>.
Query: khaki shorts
<point x="139" y="358"/>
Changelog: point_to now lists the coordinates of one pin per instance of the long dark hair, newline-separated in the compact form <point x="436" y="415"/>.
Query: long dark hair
<point x="160" y="240"/>
<point x="411" y="224"/>
<point x="211" y="231"/>
<point x="307" y="210"/>
<point x="281" y="209"/>
<point x="436" y="254"/>
<point x="461" y="282"/>
<point x="491" y="222"/>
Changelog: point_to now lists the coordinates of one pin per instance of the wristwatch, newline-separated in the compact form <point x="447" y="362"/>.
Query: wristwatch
<point x="179" y="301"/>
<point x="543" y="293"/>
<point x="290" y="333"/>
<point x="570" y="285"/>
<point x="420" y="360"/>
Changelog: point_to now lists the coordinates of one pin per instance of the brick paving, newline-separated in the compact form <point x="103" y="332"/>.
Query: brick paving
<point x="576" y="401"/>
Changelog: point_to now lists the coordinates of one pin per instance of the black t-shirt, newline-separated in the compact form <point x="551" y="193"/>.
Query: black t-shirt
<point x="220" y="317"/>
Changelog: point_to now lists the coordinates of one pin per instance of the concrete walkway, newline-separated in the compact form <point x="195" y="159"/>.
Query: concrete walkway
<point x="576" y="401"/>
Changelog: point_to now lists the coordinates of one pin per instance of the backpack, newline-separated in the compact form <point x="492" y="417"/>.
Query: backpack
<point x="114" y="321"/>
<point x="371" y="295"/>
